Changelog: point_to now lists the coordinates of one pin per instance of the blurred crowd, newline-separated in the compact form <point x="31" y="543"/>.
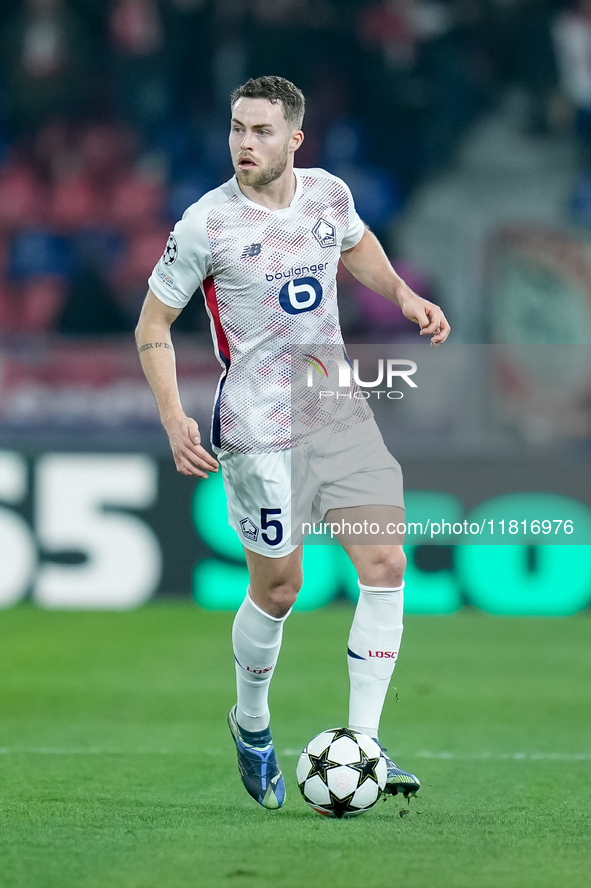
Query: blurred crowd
<point x="114" y="118"/>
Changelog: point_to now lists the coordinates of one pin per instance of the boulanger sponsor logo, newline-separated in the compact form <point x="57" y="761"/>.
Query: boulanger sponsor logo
<point x="164" y="277"/>
<point x="325" y="233"/>
<point x="302" y="291"/>
<point x="301" y="294"/>
<point x="300" y="271"/>
<point x="346" y="381"/>
<point x="171" y="251"/>
<point x="249" y="529"/>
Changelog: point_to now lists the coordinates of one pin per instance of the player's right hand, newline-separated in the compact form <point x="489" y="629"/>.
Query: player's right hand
<point x="190" y="458"/>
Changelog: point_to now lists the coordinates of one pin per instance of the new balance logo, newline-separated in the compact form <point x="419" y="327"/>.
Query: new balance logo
<point x="250" y="251"/>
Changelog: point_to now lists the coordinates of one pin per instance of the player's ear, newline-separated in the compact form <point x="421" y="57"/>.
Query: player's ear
<point x="296" y="140"/>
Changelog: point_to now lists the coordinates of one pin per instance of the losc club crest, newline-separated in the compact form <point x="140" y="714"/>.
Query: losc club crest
<point x="325" y="233"/>
<point x="171" y="251"/>
<point x="249" y="529"/>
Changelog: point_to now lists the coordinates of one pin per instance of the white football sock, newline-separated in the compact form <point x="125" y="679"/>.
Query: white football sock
<point x="374" y="642"/>
<point x="256" y="639"/>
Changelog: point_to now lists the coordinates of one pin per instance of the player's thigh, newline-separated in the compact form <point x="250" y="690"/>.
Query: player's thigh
<point x="258" y="494"/>
<point x="361" y="484"/>
<point x="372" y="537"/>
<point x="274" y="582"/>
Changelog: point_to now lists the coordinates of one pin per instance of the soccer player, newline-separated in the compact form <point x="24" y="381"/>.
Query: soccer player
<point x="264" y="247"/>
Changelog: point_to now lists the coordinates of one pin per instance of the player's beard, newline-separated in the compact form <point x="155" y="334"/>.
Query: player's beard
<point x="256" y="178"/>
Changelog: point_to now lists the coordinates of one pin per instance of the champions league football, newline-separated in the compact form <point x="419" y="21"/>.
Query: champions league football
<point x="341" y="773"/>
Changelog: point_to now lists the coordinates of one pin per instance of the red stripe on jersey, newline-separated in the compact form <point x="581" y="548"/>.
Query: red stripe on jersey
<point x="211" y="300"/>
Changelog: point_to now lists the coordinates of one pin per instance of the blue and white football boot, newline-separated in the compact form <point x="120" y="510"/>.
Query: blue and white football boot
<point x="398" y="780"/>
<point x="258" y="765"/>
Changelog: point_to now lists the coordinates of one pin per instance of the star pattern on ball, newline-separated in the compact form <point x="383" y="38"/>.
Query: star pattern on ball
<point x="366" y="768"/>
<point x="339" y="807"/>
<point x="171" y="251"/>
<point x="320" y="764"/>
<point x="344" y="732"/>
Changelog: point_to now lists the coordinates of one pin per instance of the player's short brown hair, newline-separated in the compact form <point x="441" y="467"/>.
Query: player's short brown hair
<point x="275" y="89"/>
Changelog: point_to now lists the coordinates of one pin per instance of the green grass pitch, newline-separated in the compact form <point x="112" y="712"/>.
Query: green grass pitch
<point x="118" y="771"/>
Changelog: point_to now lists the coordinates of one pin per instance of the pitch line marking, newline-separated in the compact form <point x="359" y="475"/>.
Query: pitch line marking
<point x="424" y="754"/>
<point x="42" y="750"/>
<point x="489" y="756"/>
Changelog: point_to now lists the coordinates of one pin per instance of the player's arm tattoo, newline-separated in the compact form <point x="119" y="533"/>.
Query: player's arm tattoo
<point x="148" y="345"/>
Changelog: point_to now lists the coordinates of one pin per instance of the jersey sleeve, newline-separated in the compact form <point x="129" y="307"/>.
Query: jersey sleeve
<point x="356" y="228"/>
<point x="185" y="263"/>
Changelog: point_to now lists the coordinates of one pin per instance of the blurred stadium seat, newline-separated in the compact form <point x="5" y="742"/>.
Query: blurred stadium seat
<point x="22" y="198"/>
<point x="75" y="203"/>
<point x="39" y="252"/>
<point x="135" y="203"/>
<point x="41" y="300"/>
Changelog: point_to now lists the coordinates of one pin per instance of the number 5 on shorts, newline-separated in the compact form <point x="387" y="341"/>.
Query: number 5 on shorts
<point x="276" y="525"/>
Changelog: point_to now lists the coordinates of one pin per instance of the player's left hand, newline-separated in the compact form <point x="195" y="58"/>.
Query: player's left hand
<point x="428" y="316"/>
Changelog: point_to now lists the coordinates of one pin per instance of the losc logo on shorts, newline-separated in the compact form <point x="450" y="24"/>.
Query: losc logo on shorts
<point x="249" y="529"/>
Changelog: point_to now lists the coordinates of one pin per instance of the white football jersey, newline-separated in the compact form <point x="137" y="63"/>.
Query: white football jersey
<point x="269" y="282"/>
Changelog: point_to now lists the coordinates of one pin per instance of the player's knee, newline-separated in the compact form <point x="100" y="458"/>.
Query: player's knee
<point x="278" y="594"/>
<point x="384" y="568"/>
<point x="280" y="598"/>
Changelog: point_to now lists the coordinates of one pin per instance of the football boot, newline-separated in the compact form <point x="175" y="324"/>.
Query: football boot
<point x="398" y="780"/>
<point x="257" y="763"/>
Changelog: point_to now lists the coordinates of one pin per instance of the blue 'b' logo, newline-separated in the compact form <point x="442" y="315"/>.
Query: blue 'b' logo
<point x="301" y="294"/>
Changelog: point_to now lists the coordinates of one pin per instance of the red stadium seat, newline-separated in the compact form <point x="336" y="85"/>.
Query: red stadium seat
<point x="22" y="199"/>
<point x="41" y="300"/>
<point x="32" y="307"/>
<point x="142" y="254"/>
<point x="136" y="203"/>
<point x="105" y="149"/>
<point x="75" y="204"/>
<point x="6" y="308"/>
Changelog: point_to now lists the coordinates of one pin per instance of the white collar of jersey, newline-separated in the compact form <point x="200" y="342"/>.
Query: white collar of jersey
<point x="284" y="210"/>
